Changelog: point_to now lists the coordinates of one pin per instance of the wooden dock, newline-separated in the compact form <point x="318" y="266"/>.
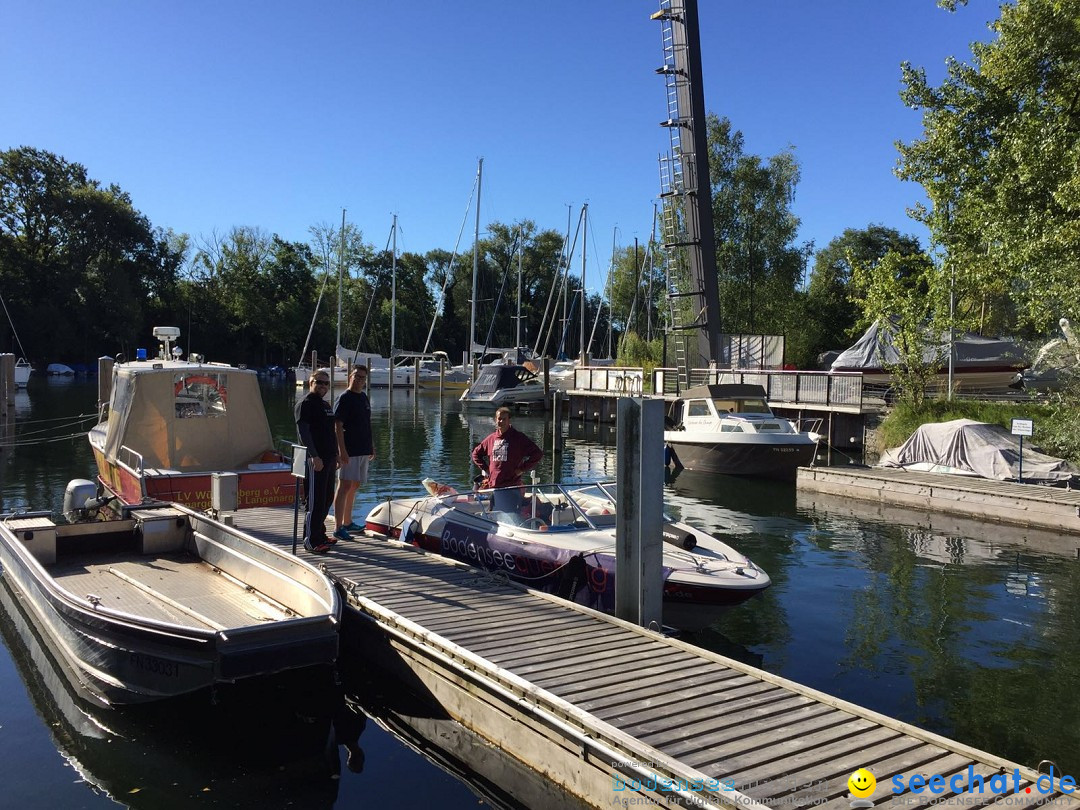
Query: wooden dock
<point x="614" y="714"/>
<point x="997" y="501"/>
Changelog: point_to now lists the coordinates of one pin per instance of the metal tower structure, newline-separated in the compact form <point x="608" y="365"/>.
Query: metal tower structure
<point x="688" y="239"/>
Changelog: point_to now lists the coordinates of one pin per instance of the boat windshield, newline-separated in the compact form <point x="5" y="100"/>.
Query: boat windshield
<point x="741" y="406"/>
<point x="541" y="507"/>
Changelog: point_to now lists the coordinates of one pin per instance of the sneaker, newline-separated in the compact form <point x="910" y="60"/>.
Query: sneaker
<point x="353" y="527"/>
<point x="342" y="534"/>
<point x="321" y="548"/>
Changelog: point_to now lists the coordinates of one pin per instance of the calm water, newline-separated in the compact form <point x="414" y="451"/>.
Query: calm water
<point x="965" y="629"/>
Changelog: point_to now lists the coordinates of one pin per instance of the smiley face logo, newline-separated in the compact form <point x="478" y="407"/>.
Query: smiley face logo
<point x="862" y="783"/>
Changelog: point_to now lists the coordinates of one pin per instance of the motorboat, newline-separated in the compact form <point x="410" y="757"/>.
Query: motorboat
<point x="165" y="601"/>
<point x="729" y="428"/>
<point x="562" y="540"/>
<point x="980" y="450"/>
<point x="59" y="370"/>
<point x="508" y="384"/>
<point x="170" y="425"/>
<point x="23" y="370"/>
<point x="979" y="363"/>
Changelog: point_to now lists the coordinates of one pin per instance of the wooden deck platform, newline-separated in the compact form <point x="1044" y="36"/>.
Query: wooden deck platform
<point x="619" y="715"/>
<point x="997" y="501"/>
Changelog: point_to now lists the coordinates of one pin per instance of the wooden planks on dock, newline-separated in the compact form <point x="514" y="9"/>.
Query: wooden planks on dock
<point x="609" y="710"/>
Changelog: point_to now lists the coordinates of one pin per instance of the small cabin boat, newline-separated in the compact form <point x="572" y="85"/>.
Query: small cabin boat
<point x="165" y="601"/>
<point x="507" y="384"/>
<point x="170" y="424"/>
<point x="730" y="429"/>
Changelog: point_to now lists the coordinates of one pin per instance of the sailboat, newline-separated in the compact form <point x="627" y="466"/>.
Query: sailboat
<point x="23" y="369"/>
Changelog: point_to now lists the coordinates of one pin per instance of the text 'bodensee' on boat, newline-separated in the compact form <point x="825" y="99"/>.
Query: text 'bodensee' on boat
<point x="562" y="540"/>
<point x="169" y="424"/>
<point x="165" y="601"/>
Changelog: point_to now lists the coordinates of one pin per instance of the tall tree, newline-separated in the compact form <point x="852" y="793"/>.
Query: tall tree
<point x="78" y="263"/>
<point x="831" y="310"/>
<point x="760" y="264"/>
<point x="1000" y="163"/>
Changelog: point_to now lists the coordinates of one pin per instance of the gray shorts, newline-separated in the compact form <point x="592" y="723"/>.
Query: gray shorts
<point x="355" y="470"/>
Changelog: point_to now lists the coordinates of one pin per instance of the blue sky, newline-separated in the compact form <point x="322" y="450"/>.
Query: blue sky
<point x="279" y="114"/>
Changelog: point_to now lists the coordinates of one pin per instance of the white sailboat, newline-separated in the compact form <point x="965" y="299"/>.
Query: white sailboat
<point x="23" y="369"/>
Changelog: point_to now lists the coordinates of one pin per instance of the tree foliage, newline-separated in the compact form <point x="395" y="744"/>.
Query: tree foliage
<point x="1000" y="163"/>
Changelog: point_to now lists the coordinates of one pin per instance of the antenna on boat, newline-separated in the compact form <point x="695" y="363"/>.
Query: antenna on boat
<point x="165" y="335"/>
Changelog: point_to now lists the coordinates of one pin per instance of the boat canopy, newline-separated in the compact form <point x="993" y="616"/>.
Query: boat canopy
<point x="492" y="378"/>
<point x="876" y="350"/>
<point x="188" y="417"/>
<point x="967" y="447"/>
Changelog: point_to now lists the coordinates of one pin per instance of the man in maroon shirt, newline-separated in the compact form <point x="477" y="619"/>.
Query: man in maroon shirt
<point x="505" y="456"/>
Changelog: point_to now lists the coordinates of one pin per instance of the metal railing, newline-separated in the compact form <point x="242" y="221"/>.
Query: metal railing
<point x="795" y="387"/>
<point x="625" y="380"/>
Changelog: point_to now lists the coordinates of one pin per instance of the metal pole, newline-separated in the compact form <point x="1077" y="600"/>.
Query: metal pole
<point x="475" y="267"/>
<point x="584" y="237"/>
<point x="393" y="300"/>
<point x="639" y="511"/>
<point x="341" y="273"/>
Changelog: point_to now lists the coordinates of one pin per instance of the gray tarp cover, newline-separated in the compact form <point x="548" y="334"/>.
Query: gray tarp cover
<point x="876" y="348"/>
<point x="989" y="451"/>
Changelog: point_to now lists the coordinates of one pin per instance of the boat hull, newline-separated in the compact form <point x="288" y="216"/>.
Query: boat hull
<point x="575" y="564"/>
<point x="274" y="487"/>
<point x="118" y="655"/>
<point x="758" y="459"/>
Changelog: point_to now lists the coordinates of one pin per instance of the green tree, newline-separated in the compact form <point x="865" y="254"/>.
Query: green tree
<point x="905" y="294"/>
<point x="1000" y="163"/>
<point x="832" y="316"/>
<point x="81" y="268"/>
<point x="760" y="265"/>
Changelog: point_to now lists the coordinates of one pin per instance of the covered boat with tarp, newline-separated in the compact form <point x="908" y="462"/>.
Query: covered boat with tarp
<point x="979" y="363"/>
<point x="977" y="449"/>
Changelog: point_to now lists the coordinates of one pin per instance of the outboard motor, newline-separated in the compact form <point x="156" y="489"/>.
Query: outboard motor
<point x="80" y="499"/>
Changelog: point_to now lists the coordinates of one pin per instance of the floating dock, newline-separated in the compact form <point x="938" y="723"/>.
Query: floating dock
<point x="996" y="501"/>
<point x="615" y="715"/>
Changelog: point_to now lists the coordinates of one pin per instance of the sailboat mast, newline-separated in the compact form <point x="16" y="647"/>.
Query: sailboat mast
<point x="340" y="275"/>
<point x="584" y="238"/>
<point x="393" y="293"/>
<point x="475" y="262"/>
<point x="521" y="250"/>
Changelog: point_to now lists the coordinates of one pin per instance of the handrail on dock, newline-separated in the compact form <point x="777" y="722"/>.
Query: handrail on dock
<point x="789" y="387"/>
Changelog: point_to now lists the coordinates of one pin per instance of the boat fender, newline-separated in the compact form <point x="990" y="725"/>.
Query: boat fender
<point x="671" y="458"/>
<point x="678" y="537"/>
<point x="408" y="530"/>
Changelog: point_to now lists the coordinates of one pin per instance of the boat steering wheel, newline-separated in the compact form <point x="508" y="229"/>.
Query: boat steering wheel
<point x="534" y="523"/>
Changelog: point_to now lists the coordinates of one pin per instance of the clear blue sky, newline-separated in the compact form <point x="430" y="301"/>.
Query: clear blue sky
<point x="279" y="114"/>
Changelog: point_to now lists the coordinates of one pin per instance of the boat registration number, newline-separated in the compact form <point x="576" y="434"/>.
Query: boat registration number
<point x="158" y="666"/>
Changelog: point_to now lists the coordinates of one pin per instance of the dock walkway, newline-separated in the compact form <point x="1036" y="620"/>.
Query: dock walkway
<point x="1001" y="501"/>
<point x="619" y="715"/>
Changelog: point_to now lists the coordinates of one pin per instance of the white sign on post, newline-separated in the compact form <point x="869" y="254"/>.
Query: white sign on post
<point x="1022" y="427"/>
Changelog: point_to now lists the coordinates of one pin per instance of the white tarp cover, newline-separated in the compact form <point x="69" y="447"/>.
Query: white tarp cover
<point x="988" y="451"/>
<point x="875" y="349"/>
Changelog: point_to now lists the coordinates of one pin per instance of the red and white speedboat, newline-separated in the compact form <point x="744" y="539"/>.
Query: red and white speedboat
<point x="170" y="424"/>
<point x="562" y="541"/>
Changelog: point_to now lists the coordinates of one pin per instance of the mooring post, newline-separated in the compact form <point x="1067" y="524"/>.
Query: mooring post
<point x="639" y="512"/>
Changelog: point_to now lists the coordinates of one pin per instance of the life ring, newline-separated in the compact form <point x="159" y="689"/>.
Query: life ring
<point x="201" y="379"/>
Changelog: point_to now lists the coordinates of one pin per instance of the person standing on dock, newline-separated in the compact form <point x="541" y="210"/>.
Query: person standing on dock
<point x="352" y="424"/>
<point x="315" y="424"/>
<point x="505" y="456"/>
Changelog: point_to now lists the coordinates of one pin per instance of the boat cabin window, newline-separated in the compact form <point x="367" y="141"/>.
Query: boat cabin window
<point x="698" y="407"/>
<point x="728" y="427"/>
<point x="741" y="406"/>
<point x="199" y="395"/>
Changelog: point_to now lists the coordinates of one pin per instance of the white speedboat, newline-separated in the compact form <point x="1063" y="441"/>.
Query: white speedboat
<point x="562" y="540"/>
<point x="165" y="601"/>
<point x="498" y="385"/>
<point x="730" y="429"/>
